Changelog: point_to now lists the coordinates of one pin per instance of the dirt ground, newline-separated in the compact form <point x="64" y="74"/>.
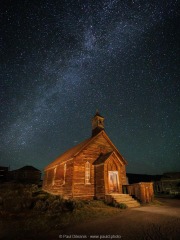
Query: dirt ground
<point x="153" y="222"/>
<point x="149" y="222"/>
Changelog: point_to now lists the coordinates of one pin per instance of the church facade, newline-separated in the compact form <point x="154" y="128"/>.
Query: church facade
<point x="92" y="169"/>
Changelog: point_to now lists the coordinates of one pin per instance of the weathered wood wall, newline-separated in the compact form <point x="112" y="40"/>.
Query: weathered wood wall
<point x="99" y="181"/>
<point x="80" y="189"/>
<point x="142" y="191"/>
<point x="98" y="186"/>
<point x="58" y="179"/>
<point x="90" y="154"/>
<point x="74" y="184"/>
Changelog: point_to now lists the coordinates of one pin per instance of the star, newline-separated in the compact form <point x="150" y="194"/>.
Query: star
<point x="61" y="60"/>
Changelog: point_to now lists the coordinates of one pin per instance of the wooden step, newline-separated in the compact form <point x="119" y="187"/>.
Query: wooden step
<point x="123" y="198"/>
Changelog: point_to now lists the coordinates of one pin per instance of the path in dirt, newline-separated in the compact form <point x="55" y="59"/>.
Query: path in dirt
<point x="146" y="223"/>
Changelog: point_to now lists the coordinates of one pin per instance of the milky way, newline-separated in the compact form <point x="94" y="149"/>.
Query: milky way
<point x="62" y="60"/>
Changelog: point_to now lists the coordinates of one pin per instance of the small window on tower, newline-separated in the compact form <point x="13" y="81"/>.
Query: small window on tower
<point x="87" y="173"/>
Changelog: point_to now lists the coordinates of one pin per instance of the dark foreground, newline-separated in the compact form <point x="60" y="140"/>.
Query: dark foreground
<point x="147" y="222"/>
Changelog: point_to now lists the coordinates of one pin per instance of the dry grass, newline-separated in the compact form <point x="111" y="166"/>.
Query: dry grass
<point x="26" y="210"/>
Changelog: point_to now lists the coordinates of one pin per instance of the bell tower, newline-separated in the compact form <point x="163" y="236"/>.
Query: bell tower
<point x="97" y="123"/>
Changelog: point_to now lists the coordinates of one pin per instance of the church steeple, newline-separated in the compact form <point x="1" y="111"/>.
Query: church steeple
<point x="97" y="123"/>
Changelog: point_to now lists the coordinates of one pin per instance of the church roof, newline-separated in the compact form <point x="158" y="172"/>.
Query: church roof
<point x="72" y="152"/>
<point x="102" y="158"/>
<point x="69" y="153"/>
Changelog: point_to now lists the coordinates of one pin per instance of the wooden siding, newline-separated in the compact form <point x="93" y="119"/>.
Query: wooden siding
<point x="59" y="181"/>
<point x="80" y="189"/>
<point x="74" y="185"/>
<point x="99" y="181"/>
<point x="98" y="186"/>
<point x="90" y="154"/>
<point x="142" y="191"/>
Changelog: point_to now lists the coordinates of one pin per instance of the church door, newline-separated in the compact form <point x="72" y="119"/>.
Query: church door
<point x="113" y="182"/>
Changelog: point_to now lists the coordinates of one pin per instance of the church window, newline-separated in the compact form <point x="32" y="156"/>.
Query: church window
<point x="87" y="173"/>
<point x="64" y="172"/>
<point x="49" y="177"/>
<point x="61" y="174"/>
<point x="54" y="175"/>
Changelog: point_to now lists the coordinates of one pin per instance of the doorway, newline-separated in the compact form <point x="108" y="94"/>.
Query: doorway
<point x="113" y="181"/>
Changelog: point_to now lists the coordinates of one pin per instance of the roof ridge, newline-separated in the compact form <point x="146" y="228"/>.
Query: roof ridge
<point x="90" y="139"/>
<point x="102" y="158"/>
<point x="70" y="153"/>
<point x="27" y="167"/>
<point x="74" y="151"/>
<point x="115" y="147"/>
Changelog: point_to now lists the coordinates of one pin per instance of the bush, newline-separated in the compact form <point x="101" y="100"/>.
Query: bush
<point x="122" y="205"/>
<point x="39" y="193"/>
<point x="41" y="206"/>
<point x="12" y="204"/>
<point x="1" y="201"/>
<point x="26" y="203"/>
<point x="118" y="205"/>
<point x="79" y="204"/>
<point x="18" y="197"/>
<point x="56" y="206"/>
<point x="69" y="205"/>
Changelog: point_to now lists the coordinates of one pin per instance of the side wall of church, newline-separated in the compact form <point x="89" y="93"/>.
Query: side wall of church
<point x="58" y="179"/>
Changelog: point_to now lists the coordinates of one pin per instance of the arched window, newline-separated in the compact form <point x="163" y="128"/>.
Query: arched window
<point x="87" y="173"/>
<point x="61" y="174"/>
<point x="54" y="175"/>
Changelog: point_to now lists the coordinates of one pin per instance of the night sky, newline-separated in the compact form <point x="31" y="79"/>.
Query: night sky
<point x="63" y="59"/>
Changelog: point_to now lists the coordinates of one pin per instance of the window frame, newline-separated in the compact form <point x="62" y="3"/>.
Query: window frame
<point x="87" y="173"/>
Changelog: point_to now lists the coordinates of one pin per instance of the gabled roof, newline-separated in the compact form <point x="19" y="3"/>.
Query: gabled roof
<point x="68" y="154"/>
<point x="72" y="152"/>
<point x="28" y="168"/>
<point x="102" y="158"/>
<point x="110" y="142"/>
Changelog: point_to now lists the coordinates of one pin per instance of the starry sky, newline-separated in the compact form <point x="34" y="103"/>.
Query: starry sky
<point x="63" y="59"/>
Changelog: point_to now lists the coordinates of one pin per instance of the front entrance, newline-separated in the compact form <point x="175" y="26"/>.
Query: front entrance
<point x="113" y="181"/>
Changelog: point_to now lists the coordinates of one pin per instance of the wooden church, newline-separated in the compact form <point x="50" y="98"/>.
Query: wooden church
<point x="91" y="169"/>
